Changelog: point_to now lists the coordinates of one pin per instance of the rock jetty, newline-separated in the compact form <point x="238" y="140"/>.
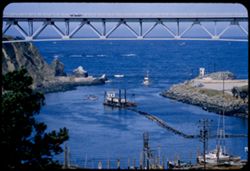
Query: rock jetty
<point x="195" y="92"/>
<point x="46" y="78"/>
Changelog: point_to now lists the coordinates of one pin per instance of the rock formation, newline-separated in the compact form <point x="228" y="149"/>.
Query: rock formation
<point x="46" y="78"/>
<point x="17" y="55"/>
<point x="58" y="67"/>
<point x="80" y="72"/>
<point x="220" y="75"/>
<point x="209" y="99"/>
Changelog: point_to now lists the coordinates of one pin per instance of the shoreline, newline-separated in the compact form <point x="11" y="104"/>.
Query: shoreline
<point x="65" y="83"/>
<point x="211" y="99"/>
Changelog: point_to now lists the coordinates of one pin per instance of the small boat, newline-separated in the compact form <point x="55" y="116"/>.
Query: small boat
<point x="146" y="79"/>
<point x="119" y="76"/>
<point x="91" y="97"/>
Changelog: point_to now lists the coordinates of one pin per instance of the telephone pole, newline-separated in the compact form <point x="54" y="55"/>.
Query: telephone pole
<point x="146" y="150"/>
<point x="204" y="131"/>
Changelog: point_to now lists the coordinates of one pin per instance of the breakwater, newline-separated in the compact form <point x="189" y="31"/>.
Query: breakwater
<point x="209" y="99"/>
<point x="163" y="124"/>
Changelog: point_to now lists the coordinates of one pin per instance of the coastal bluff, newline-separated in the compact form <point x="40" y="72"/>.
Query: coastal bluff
<point x="46" y="77"/>
<point x="207" y="92"/>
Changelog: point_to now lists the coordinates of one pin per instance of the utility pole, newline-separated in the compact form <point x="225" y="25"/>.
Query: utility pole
<point x="66" y="156"/>
<point x="146" y="151"/>
<point x="204" y="124"/>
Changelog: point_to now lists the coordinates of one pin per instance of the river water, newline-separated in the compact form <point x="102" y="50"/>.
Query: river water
<point x="98" y="133"/>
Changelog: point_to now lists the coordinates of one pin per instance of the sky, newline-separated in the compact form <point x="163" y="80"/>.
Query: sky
<point x="124" y="8"/>
<point x="76" y="8"/>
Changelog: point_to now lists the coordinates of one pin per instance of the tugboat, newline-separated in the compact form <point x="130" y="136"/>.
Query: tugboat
<point x="146" y="80"/>
<point x="110" y="99"/>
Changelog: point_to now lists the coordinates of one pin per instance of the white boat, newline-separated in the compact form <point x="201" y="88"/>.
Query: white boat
<point x="219" y="155"/>
<point x="119" y="76"/>
<point x="146" y="80"/>
<point x="215" y="156"/>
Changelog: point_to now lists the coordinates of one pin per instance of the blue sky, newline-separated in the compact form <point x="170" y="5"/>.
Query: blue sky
<point x="69" y="8"/>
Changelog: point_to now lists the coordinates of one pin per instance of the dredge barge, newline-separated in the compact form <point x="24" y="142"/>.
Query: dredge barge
<point x="110" y="99"/>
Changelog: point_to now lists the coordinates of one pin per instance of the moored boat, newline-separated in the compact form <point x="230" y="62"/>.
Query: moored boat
<point x="146" y="79"/>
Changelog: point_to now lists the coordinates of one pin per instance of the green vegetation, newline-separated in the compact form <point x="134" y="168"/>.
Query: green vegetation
<point x="210" y="92"/>
<point x="25" y="144"/>
<point x="241" y="92"/>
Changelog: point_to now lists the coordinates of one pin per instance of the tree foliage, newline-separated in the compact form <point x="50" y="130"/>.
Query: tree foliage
<point x="24" y="141"/>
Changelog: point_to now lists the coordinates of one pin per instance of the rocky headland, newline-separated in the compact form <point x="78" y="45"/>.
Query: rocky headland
<point x="46" y="77"/>
<point x="213" y="92"/>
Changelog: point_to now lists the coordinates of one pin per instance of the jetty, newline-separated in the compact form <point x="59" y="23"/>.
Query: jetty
<point x="162" y="123"/>
<point x="110" y="99"/>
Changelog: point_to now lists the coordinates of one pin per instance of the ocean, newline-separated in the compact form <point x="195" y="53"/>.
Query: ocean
<point x="99" y="133"/>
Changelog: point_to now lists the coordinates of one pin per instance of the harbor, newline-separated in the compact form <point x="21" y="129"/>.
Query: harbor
<point x="116" y="132"/>
<point x="125" y="86"/>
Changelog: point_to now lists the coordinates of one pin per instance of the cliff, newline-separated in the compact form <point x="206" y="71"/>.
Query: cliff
<point x="46" y="78"/>
<point x="16" y="55"/>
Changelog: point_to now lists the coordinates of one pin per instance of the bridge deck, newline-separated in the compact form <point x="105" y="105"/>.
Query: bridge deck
<point x="130" y="15"/>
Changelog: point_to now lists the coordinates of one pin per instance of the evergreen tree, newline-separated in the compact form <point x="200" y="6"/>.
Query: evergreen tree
<point x="24" y="141"/>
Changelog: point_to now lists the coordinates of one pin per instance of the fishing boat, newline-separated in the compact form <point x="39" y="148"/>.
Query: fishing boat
<point x="146" y="79"/>
<point x="219" y="155"/>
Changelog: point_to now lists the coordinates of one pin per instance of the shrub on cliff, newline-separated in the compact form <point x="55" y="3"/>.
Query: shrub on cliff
<point x="241" y="92"/>
<point x="24" y="142"/>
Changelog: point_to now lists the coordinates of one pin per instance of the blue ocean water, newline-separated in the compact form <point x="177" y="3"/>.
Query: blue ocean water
<point x="99" y="133"/>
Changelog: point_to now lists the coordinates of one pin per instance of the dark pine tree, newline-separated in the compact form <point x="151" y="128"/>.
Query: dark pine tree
<point x="24" y="141"/>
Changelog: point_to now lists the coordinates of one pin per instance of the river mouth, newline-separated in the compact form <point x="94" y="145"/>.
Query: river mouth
<point x="103" y="133"/>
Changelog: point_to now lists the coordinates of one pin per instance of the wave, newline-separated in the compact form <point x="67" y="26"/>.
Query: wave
<point x="75" y="56"/>
<point x="101" y="55"/>
<point x="130" y="54"/>
<point x="57" y="55"/>
<point x="89" y="56"/>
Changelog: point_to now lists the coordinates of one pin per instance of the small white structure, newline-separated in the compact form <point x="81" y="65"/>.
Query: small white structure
<point x="111" y="94"/>
<point x="202" y="72"/>
<point x="146" y="79"/>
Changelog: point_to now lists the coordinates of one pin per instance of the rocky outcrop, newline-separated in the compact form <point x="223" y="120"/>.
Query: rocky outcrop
<point x="58" y="67"/>
<point x="226" y="75"/>
<point x="209" y="99"/>
<point x="68" y="83"/>
<point x="46" y="78"/>
<point x="80" y="72"/>
<point x="17" y="55"/>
